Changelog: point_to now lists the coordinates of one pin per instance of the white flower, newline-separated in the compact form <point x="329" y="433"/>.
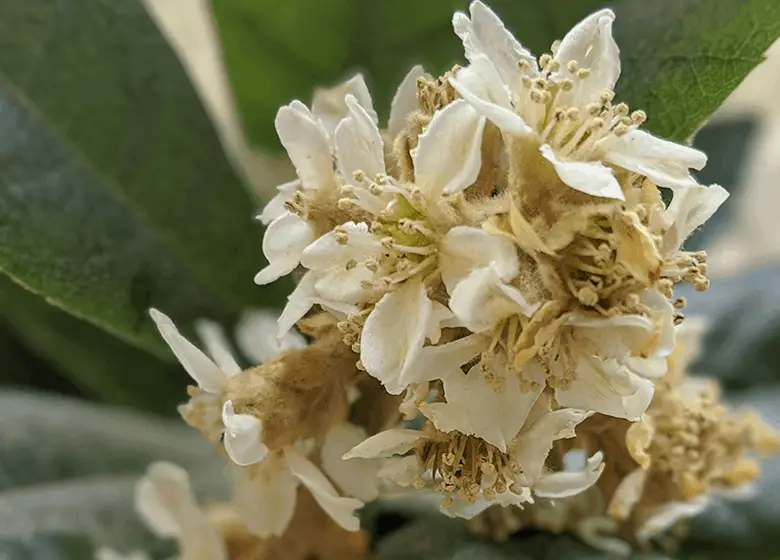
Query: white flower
<point x="265" y="493"/>
<point x="328" y="105"/>
<point x="243" y="436"/>
<point x="566" y="104"/>
<point x="665" y="516"/>
<point x="164" y="500"/>
<point x="257" y="340"/>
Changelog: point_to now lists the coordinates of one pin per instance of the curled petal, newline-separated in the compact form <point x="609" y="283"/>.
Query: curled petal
<point x="689" y="209"/>
<point x="283" y="243"/>
<point x="449" y="153"/>
<point x="329" y="105"/>
<point x="306" y="144"/>
<point x="243" y="436"/>
<point x="481" y="86"/>
<point x="205" y="372"/>
<point x="434" y="362"/>
<point x="465" y="249"/>
<point x="302" y="298"/>
<point x="385" y="444"/>
<point x="565" y="484"/>
<point x="667" y="515"/>
<point x="341" y="510"/>
<point x="663" y="162"/>
<point x="275" y="206"/>
<point x="590" y="177"/>
<point x="358" y="144"/>
<point x="627" y="494"/>
<point x="404" y="101"/>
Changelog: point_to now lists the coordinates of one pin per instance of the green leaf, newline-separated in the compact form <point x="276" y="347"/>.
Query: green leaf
<point x="114" y="191"/>
<point x="69" y="468"/>
<point x="682" y="58"/>
<point x="102" y="366"/>
<point x="280" y="51"/>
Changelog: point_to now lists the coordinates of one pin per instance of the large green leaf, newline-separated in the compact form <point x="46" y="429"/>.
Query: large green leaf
<point x="99" y="364"/>
<point x="114" y="191"/>
<point x="681" y="58"/>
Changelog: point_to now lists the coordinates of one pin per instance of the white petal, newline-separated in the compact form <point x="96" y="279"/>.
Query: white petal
<point x="534" y="443"/>
<point x="449" y="153"/>
<point x="440" y="315"/>
<point x="394" y="332"/>
<point x="205" y="372"/>
<point x="465" y="249"/>
<point x="357" y="477"/>
<point x="386" y="444"/>
<point x="475" y="406"/>
<point x="689" y="209"/>
<point x="609" y="388"/>
<point x="434" y="362"/>
<point x="480" y="85"/>
<point x="591" y="45"/>
<point x="590" y="177"/>
<point x="342" y="285"/>
<point x="243" y="436"/>
<point x="283" y="243"/>
<point x="663" y="162"/>
<point x="329" y="107"/>
<point x="358" y="144"/>
<point x="306" y="144"/>
<point x="481" y="300"/>
<point x="627" y="494"/>
<point x="565" y="484"/>
<point x="341" y="510"/>
<point x="326" y="252"/>
<point x="404" y="101"/>
<point x="298" y="304"/>
<point x="275" y="206"/>
<point x="264" y="496"/>
<point x="401" y="470"/>
<point x="498" y="44"/>
<point x="164" y="500"/>
<point x="213" y="336"/>
<point x="256" y="336"/>
<point x="669" y="514"/>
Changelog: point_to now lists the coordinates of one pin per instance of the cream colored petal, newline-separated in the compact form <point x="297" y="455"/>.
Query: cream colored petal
<point x="498" y="43"/>
<point x="340" y="509"/>
<point x="276" y="206"/>
<point x="532" y="446"/>
<point x="256" y="336"/>
<point x="493" y="410"/>
<point x="481" y="300"/>
<point x="564" y="484"/>
<point x="440" y="315"/>
<point x="627" y="494"/>
<point x="326" y="252"/>
<point x="480" y="85"/>
<point x="359" y="145"/>
<point x="264" y="495"/>
<point x="243" y="436"/>
<point x="663" y="162"/>
<point x="306" y="144"/>
<point x="464" y="249"/>
<point x="343" y="285"/>
<point x="404" y="101"/>
<point x="449" y="153"/>
<point x="609" y="388"/>
<point x="164" y="500"/>
<point x="669" y="514"/>
<point x="385" y="444"/>
<point x="394" y="333"/>
<point x="213" y="336"/>
<point x="283" y="243"/>
<point x="205" y="372"/>
<point x="401" y="470"/>
<point x="299" y="302"/>
<point x="434" y="362"/>
<point x="355" y="477"/>
<point x="590" y="44"/>
<point x="329" y="106"/>
<point x="689" y="209"/>
<point x="590" y="177"/>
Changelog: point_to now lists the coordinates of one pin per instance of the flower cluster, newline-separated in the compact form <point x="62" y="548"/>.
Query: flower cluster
<point x="487" y="288"/>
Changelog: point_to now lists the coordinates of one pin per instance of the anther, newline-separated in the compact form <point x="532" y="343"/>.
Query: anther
<point x="359" y="176"/>
<point x="606" y="96"/>
<point x="583" y="73"/>
<point x="638" y="117"/>
<point x="572" y="66"/>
